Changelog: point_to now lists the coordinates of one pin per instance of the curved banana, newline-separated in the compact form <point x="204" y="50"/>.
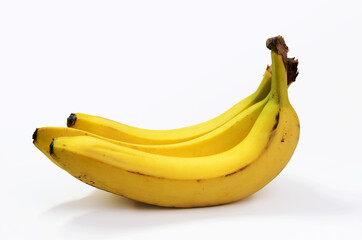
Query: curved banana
<point x="193" y="181"/>
<point x="218" y="140"/>
<point x="42" y="137"/>
<point x="125" y="133"/>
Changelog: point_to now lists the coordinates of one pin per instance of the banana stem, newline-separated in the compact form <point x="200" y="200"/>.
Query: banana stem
<point x="284" y="69"/>
<point x="279" y="79"/>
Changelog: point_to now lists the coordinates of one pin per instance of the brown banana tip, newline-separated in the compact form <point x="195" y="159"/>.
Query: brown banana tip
<point x="35" y="135"/>
<point x="51" y="148"/>
<point x="71" y="119"/>
<point x="277" y="44"/>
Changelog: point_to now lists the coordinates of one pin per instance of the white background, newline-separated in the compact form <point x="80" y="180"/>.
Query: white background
<point x="168" y="64"/>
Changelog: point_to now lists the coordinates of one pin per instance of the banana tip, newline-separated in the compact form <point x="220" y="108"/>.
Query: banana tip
<point x="35" y="135"/>
<point x="71" y="119"/>
<point x="51" y="148"/>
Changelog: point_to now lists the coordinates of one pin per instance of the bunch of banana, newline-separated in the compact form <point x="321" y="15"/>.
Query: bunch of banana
<point x="219" y="161"/>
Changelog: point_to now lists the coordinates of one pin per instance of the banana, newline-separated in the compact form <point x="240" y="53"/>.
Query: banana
<point x="216" y="179"/>
<point x="221" y="139"/>
<point x="125" y="133"/>
<point x="42" y="137"/>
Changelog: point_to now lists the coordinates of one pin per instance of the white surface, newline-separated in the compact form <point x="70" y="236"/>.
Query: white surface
<point x="162" y="64"/>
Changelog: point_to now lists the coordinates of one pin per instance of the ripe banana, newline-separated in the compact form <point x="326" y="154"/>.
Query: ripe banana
<point x="221" y="139"/>
<point x="42" y="137"/>
<point x="174" y="181"/>
<point x="125" y="133"/>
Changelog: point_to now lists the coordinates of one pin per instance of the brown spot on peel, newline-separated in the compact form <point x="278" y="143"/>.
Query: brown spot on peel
<point x="285" y="135"/>
<point x="239" y="170"/>
<point x="276" y="121"/>
<point x="51" y="148"/>
<point x="142" y="174"/>
<point x="277" y="117"/>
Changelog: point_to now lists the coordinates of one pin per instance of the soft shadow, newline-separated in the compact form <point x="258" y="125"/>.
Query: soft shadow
<point x="102" y="211"/>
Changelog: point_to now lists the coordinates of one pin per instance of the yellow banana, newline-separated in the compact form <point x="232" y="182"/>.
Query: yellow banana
<point x="177" y="167"/>
<point x="193" y="181"/>
<point x="221" y="139"/>
<point x="42" y="137"/>
<point x="125" y="133"/>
